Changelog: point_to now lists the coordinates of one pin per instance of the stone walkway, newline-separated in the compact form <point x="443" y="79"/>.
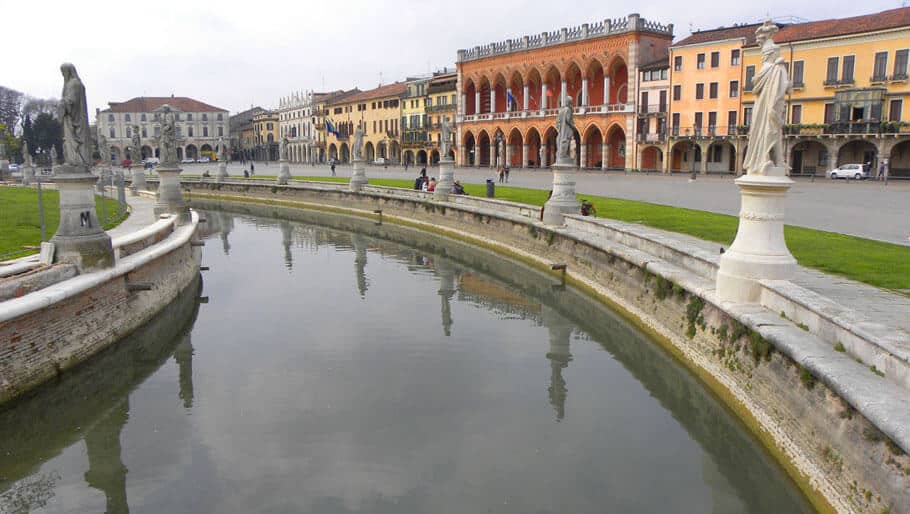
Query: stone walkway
<point x="142" y="215"/>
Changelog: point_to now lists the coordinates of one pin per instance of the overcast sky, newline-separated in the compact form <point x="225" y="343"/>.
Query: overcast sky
<point x="232" y="55"/>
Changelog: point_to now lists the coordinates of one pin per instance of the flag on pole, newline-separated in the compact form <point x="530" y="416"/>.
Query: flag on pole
<point x="510" y="100"/>
<point x="330" y="127"/>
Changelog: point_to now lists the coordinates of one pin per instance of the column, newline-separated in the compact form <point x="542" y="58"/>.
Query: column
<point x="492" y="100"/>
<point x="477" y="102"/>
<point x="524" y="156"/>
<point x="606" y="90"/>
<point x="543" y="96"/>
<point x="464" y="102"/>
<point x="704" y="158"/>
<point x="524" y="99"/>
<point x="604" y="156"/>
<point x="583" y="155"/>
<point x="562" y="93"/>
<point x="492" y="154"/>
<point x="508" y="157"/>
<point x="584" y="91"/>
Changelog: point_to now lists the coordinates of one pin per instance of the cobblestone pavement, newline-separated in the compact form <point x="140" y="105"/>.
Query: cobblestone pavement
<point x="868" y="209"/>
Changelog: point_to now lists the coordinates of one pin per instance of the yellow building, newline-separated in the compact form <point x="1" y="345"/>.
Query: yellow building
<point x="415" y="140"/>
<point x="322" y="102"/>
<point x="378" y="112"/>
<point x="706" y="78"/>
<point x="441" y="104"/>
<point x="265" y="136"/>
<point x="850" y="89"/>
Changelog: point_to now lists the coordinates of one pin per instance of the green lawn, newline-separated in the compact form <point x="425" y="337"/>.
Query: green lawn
<point x="877" y="263"/>
<point x="20" y="224"/>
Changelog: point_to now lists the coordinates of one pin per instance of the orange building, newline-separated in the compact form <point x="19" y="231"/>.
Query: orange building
<point x="510" y="93"/>
<point x="706" y="86"/>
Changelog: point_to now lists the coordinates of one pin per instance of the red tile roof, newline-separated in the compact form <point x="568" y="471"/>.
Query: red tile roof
<point x="335" y="96"/>
<point x="150" y="103"/>
<point x="841" y="27"/>
<point x="388" y="90"/>
<point x="746" y="32"/>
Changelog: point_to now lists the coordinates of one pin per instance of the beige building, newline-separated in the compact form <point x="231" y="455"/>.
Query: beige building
<point x="199" y="127"/>
<point x="378" y="112"/>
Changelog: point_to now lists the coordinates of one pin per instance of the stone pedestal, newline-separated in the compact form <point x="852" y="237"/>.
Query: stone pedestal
<point x="358" y="175"/>
<point x="138" y="179"/>
<point x="284" y="175"/>
<point x="563" y="200"/>
<point x="170" y="198"/>
<point x="759" y="251"/>
<point x="28" y="174"/>
<point x="222" y="174"/>
<point x="80" y="238"/>
<point x="446" y="179"/>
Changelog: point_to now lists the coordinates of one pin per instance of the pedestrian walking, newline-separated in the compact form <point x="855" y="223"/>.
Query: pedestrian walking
<point x="507" y="173"/>
<point x="881" y="170"/>
<point x="333" y="167"/>
<point x="502" y="174"/>
<point x="252" y="168"/>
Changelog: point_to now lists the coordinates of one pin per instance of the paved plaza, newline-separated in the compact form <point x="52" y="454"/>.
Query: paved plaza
<point x="868" y="208"/>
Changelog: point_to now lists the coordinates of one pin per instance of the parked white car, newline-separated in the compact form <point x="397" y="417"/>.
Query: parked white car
<point x="204" y="159"/>
<point x="855" y="171"/>
<point x="188" y="160"/>
<point x="380" y="161"/>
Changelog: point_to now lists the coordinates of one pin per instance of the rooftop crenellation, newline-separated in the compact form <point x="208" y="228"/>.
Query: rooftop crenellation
<point x="631" y="23"/>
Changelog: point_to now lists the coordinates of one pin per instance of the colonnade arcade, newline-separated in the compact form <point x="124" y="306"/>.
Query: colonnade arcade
<point x="589" y="83"/>
<point x="535" y="147"/>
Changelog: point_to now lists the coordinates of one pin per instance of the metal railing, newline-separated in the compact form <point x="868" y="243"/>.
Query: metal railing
<point x="709" y="131"/>
<point x="652" y="109"/>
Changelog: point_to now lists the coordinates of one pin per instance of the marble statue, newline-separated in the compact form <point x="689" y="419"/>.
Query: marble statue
<point x="565" y="131"/>
<point x="771" y="85"/>
<point x="499" y="152"/>
<point x="445" y="137"/>
<point x="222" y="150"/>
<point x="27" y="157"/>
<point x="283" y="149"/>
<point x="74" y="119"/>
<point x="168" y="141"/>
<point x="137" y="144"/>
<point x="103" y="150"/>
<point x="57" y="158"/>
<point x="357" y="149"/>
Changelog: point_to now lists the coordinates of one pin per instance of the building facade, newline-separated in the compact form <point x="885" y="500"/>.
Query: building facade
<point x="510" y="92"/>
<point x="378" y="111"/>
<point x="200" y="127"/>
<point x="265" y="136"/>
<point x="322" y="101"/>
<point x="850" y="92"/>
<point x="415" y="139"/>
<point x="707" y="132"/>
<point x="295" y="121"/>
<point x="442" y="95"/>
<point x="653" y="104"/>
<point x="242" y="133"/>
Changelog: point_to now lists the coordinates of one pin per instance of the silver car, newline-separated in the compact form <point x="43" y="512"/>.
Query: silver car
<point x="855" y="171"/>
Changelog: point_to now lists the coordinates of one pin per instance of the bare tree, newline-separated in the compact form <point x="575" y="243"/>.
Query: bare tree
<point x="10" y="102"/>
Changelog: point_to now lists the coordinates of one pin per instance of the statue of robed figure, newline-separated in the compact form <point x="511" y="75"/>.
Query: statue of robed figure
<point x="445" y="137"/>
<point x="771" y="85"/>
<point x="283" y="149"/>
<point x="565" y="132"/>
<point x="357" y="148"/>
<point x="74" y="119"/>
<point x="168" y="140"/>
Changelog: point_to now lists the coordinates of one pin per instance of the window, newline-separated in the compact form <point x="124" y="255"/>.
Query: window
<point x="126" y="117"/>
<point x="662" y="102"/>
<point x="144" y="132"/>
<point x="829" y="113"/>
<point x="831" y="75"/>
<point x="900" y="65"/>
<point x="677" y="63"/>
<point x="268" y="126"/>
<point x="189" y="116"/>
<point x="220" y="117"/>
<point x="110" y="118"/>
<point x="129" y="132"/>
<point x="157" y="131"/>
<point x="798" y="73"/>
<point x="700" y="61"/>
<point x="712" y="90"/>
<point x="731" y="122"/>
<point x="644" y="101"/>
<point x="205" y="132"/>
<point x="750" y="73"/>
<point x="796" y="114"/>
<point x="734" y="88"/>
<point x="715" y="59"/>
<point x="847" y="71"/>
<point x="677" y="92"/>
<point x="712" y="121"/>
<point x="880" y="69"/>
<point x="189" y="131"/>
<point x="734" y="57"/>
<point x="142" y="117"/>
<point x="699" y="91"/>
<point x="894" y="113"/>
<point x="112" y="133"/>
<point x="675" y="123"/>
<point x="747" y="116"/>
<point x="220" y="131"/>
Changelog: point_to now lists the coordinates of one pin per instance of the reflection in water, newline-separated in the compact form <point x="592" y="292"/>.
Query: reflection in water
<point x="286" y="241"/>
<point x="360" y="263"/>
<point x="560" y="330"/>
<point x="183" y="354"/>
<point x="90" y="403"/>
<point x="446" y="271"/>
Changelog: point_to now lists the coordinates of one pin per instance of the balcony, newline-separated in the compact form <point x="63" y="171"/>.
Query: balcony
<point x="709" y="131"/>
<point x="899" y="77"/>
<point x="839" y="83"/>
<point x="644" y="110"/>
<point x="440" y="108"/>
<point x="878" y="79"/>
<point x="854" y="127"/>
<point x="652" y="137"/>
<point x="540" y="113"/>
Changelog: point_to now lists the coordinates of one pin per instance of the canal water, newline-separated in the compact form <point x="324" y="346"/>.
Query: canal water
<point x="333" y="365"/>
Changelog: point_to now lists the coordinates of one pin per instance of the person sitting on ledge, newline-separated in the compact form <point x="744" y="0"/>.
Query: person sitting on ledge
<point x="587" y="208"/>
<point x="431" y="186"/>
<point x="458" y="189"/>
<point x="206" y="174"/>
